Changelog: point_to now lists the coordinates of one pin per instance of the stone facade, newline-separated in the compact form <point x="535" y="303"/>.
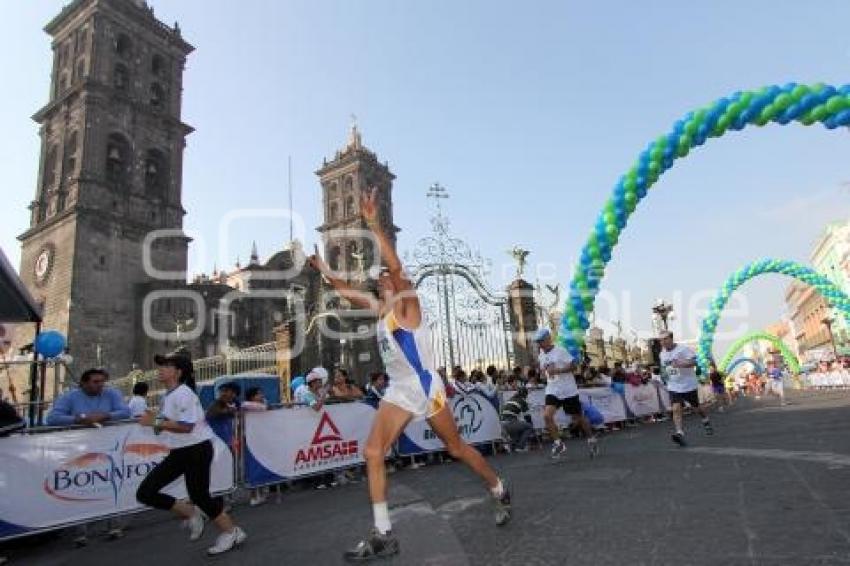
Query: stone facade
<point x="110" y="173"/>
<point x="348" y="249"/>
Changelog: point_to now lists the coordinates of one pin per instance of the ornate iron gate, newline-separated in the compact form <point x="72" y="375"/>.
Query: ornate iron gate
<point x="469" y="323"/>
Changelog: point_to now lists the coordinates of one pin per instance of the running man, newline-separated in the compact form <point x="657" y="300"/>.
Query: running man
<point x="774" y="382"/>
<point x="415" y="390"/>
<point x="678" y="362"/>
<point x="561" y="392"/>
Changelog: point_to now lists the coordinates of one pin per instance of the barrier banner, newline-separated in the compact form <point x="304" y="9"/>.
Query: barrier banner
<point x="663" y="397"/>
<point x="65" y="477"/>
<point x="642" y="400"/>
<point x="290" y="443"/>
<point x="605" y="399"/>
<point x="477" y="418"/>
<point x="609" y="402"/>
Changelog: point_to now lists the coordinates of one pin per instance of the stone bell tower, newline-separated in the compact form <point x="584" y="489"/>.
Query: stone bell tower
<point x="110" y="175"/>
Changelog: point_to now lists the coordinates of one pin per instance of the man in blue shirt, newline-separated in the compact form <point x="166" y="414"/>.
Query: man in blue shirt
<point x="92" y="404"/>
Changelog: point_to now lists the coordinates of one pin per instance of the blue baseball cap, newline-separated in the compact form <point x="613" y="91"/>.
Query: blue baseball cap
<point x="542" y="334"/>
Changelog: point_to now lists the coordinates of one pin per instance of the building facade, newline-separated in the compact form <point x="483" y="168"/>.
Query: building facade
<point x="110" y="175"/>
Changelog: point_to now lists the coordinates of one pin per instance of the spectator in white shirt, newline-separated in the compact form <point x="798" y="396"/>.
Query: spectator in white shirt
<point x="138" y="402"/>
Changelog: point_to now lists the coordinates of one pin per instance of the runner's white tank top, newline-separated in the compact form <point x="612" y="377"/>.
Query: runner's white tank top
<point x="407" y="354"/>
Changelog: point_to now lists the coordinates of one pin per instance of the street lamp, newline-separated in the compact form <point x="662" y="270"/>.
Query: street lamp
<point x="663" y="310"/>
<point x="827" y="321"/>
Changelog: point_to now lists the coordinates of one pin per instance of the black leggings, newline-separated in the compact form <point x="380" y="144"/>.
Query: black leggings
<point x="193" y="463"/>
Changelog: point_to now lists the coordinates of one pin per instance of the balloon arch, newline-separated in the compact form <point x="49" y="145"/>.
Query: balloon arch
<point x="834" y="296"/>
<point x="787" y="354"/>
<point x="739" y="361"/>
<point x="792" y="102"/>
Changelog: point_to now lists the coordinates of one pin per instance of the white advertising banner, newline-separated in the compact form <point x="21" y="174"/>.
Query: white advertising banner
<point x="663" y="397"/>
<point x="290" y="443"/>
<point x="607" y="401"/>
<point x="477" y="418"/>
<point x="64" y="477"/>
<point x="642" y="400"/>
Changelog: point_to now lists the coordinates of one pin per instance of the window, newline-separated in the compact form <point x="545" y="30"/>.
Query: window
<point x="50" y="168"/>
<point x="64" y="83"/>
<point x="117" y="159"/>
<point x="333" y="212"/>
<point x="156" y="172"/>
<point x="349" y="184"/>
<point x="349" y="206"/>
<point x="333" y="258"/>
<point x="158" y="65"/>
<point x="81" y="69"/>
<point x="333" y="190"/>
<point x="123" y="46"/>
<point x="70" y="166"/>
<point x="121" y="78"/>
<point x="157" y="96"/>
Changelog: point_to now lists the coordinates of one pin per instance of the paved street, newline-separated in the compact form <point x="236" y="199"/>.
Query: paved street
<point x="769" y="488"/>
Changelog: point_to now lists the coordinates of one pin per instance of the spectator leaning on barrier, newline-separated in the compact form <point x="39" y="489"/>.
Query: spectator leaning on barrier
<point x="138" y="403"/>
<point x="255" y="400"/>
<point x="310" y="393"/>
<point x="92" y="404"/>
<point x="516" y="421"/>
<point x="222" y="412"/>
<point x="376" y="386"/>
<point x="343" y="390"/>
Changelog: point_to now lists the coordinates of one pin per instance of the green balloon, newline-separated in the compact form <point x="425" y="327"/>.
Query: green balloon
<point x="768" y="113"/>
<point x="835" y="104"/>
<point x="819" y="113"/>
<point x="783" y="101"/>
<point x="611" y="230"/>
<point x="799" y="92"/>
<point x="734" y="109"/>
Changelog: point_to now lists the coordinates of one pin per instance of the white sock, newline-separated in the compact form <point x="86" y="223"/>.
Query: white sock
<point x="382" y="517"/>
<point x="558" y="441"/>
<point x="680" y="431"/>
<point x="499" y="490"/>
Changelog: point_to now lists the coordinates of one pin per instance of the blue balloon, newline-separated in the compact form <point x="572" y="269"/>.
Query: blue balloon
<point x="50" y="343"/>
<point x="297" y="382"/>
<point x="619" y="387"/>
<point x="595" y="417"/>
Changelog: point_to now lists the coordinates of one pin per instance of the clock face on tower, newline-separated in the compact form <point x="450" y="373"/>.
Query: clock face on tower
<point x="43" y="264"/>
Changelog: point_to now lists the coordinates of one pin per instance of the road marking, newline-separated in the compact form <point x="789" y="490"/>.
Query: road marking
<point x="829" y="458"/>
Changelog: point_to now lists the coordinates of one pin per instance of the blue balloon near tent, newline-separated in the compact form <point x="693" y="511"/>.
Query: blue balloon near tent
<point x="593" y="415"/>
<point x="620" y="388"/>
<point x="50" y="343"/>
<point x="297" y="382"/>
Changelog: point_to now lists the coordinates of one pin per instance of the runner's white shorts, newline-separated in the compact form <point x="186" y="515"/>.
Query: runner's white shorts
<point x="410" y="394"/>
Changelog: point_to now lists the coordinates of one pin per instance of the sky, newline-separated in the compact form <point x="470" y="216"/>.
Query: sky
<point x="527" y="112"/>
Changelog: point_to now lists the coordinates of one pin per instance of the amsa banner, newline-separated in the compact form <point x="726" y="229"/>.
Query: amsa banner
<point x="66" y="477"/>
<point x="477" y="418"/>
<point x="290" y="443"/>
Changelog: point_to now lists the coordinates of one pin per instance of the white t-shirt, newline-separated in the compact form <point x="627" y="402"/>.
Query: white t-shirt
<point x="561" y="385"/>
<point x="679" y="380"/>
<point x="182" y="405"/>
<point x="138" y="405"/>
